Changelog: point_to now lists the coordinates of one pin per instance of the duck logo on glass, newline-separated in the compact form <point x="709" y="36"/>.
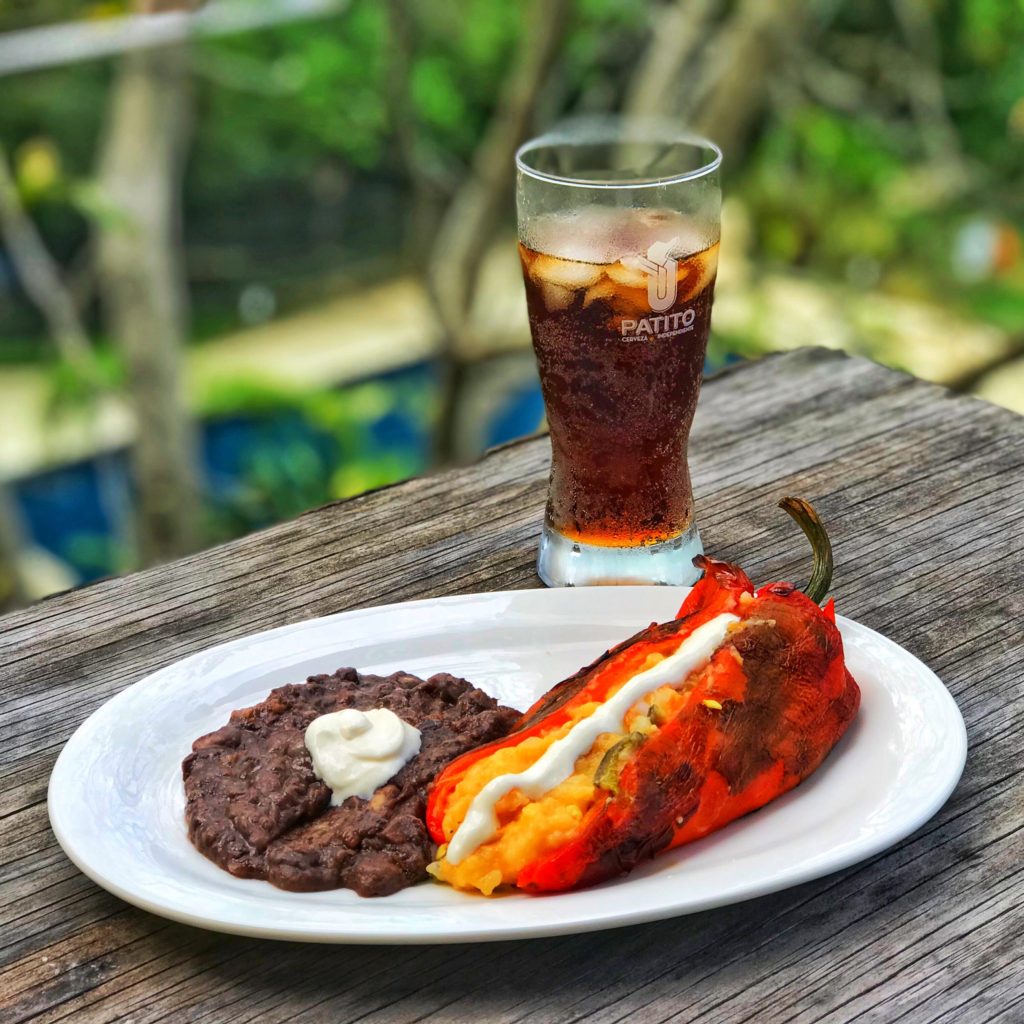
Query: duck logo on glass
<point x="662" y="285"/>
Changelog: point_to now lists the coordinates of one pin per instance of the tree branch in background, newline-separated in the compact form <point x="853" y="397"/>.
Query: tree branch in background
<point x="828" y="84"/>
<point x="923" y="79"/>
<point x="428" y="193"/>
<point x="143" y="290"/>
<point x="41" y="278"/>
<point x="679" y="30"/>
<point x="465" y="231"/>
<point x="731" y="89"/>
<point x="709" y="74"/>
<point x="57" y="301"/>
<point x="972" y="378"/>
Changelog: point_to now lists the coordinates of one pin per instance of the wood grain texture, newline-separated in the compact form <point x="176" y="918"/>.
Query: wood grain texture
<point x="923" y="492"/>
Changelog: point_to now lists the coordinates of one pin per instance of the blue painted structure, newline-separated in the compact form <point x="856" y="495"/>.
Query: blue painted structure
<point x="64" y="508"/>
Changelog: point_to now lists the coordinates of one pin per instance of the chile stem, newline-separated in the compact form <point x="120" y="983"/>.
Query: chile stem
<point x="807" y="519"/>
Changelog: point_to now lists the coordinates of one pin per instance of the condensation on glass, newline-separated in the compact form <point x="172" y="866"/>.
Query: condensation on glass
<point x="619" y="231"/>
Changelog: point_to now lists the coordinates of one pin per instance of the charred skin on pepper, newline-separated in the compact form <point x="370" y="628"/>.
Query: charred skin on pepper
<point x="755" y="721"/>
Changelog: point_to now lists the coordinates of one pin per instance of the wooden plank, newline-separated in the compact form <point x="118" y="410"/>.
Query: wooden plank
<point x="924" y="495"/>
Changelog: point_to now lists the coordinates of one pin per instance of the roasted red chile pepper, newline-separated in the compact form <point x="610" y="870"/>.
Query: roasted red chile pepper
<point x="746" y="726"/>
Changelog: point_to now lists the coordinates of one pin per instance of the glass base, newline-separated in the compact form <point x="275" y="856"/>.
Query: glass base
<point x="569" y="563"/>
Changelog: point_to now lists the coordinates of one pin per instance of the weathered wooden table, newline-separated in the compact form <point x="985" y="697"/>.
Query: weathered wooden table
<point x="924" y="494"/>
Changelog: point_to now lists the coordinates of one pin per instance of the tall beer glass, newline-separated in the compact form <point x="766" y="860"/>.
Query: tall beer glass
<point x="618" y="235"/>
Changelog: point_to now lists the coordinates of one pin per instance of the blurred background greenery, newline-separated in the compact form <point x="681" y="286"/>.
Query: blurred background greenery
<point x="270" y="262"/>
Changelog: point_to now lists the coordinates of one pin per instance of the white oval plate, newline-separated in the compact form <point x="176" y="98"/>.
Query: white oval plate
<point x="116" y="800"/>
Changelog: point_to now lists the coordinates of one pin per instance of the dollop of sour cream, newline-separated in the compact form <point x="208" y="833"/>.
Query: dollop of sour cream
<point x="356" y="752"/>
<point x="556" y="764"/>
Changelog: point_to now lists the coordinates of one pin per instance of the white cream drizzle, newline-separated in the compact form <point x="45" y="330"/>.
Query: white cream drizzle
<point x="556" y="764"/>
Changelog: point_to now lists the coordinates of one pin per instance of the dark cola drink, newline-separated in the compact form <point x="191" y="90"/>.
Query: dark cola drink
<point x="620" y="305"/>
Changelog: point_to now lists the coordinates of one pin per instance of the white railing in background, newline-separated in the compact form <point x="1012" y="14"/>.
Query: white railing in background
<point x="55" y="45"/>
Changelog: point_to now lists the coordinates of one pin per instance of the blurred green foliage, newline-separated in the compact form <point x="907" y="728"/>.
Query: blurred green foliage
<point x="886" y="149"/>
<point x="293" y="98"/>
<point x="306" y="105"/>
<point x="827" y="186"/>
<point x="334" y="454"/>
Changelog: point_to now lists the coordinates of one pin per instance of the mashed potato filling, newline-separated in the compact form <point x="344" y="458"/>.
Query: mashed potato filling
<point x="531" y="829"/>
<point x="522" y="802"/>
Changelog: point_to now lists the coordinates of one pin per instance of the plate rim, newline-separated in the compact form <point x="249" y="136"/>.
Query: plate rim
<point x="856" y="853"/>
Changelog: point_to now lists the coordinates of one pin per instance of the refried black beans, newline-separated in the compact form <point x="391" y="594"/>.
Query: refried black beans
<point x="255" y="807"/>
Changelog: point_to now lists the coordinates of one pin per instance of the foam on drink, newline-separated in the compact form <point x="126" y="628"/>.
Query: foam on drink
<point x="602" y="235"/>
